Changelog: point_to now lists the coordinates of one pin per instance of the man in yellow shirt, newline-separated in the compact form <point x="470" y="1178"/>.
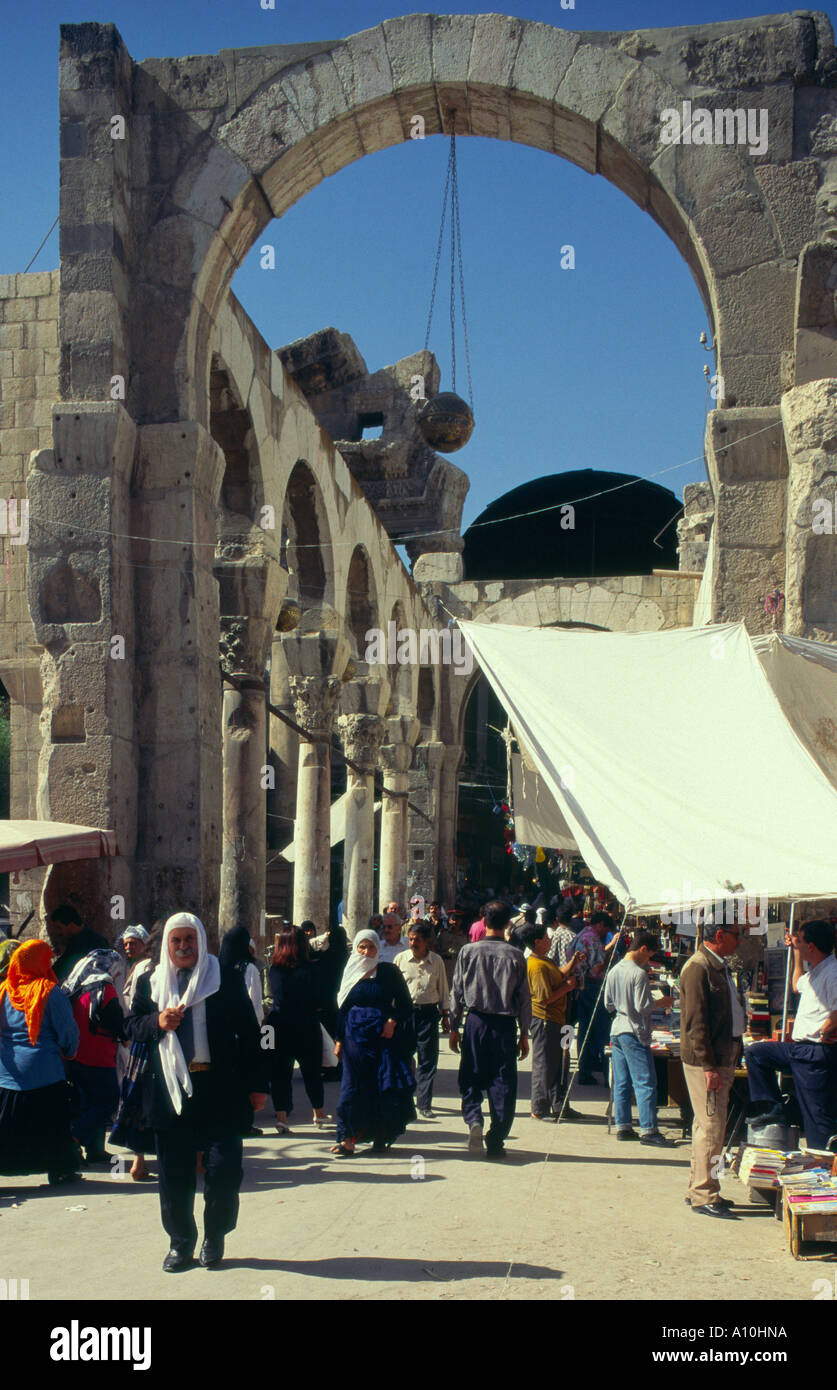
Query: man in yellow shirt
<point x="549" y="986"/>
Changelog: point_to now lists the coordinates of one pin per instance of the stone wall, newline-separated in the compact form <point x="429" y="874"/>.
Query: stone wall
<point x="28" y="388"/>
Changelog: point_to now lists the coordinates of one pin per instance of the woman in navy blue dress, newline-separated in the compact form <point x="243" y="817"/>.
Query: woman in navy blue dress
<point x="373" y="1041"/>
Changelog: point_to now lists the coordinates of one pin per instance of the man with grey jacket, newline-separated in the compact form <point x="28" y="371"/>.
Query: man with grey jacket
<point x="712" y="1020"/>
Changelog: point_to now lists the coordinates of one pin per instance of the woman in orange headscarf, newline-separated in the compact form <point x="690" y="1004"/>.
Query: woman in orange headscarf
<point x="37" y="1030"/>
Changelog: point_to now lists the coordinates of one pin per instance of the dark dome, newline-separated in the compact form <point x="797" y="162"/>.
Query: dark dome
<point x="613" y="533"/>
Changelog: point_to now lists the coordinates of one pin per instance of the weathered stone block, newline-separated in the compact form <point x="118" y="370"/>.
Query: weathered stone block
<point x="20" y="310"/>
<point x="12" y="335"/>
<point x="595" y="74"/>
<point x="745" y="445"/>
<point x="451" y="37"/>
<point x="751" y="514"/>
<point x="408" y="44"/>
<point x="543" y="57"/>
<point x="756" y="307"/>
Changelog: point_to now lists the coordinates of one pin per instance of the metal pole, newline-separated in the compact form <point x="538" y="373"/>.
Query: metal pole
<point x="787" y="977"/>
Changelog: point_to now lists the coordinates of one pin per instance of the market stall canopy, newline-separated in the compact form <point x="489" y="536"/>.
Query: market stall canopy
<point x="337" y="826"/>
<point x="538" y="819"/>
<point x="803" y="676"/>
<point x="672" y="759"/>
<point x="27" y="844"/>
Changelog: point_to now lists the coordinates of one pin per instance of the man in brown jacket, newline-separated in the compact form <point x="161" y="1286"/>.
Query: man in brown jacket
<point x="712" y="1021"/>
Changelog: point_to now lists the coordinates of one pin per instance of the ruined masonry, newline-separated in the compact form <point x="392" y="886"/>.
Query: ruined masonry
<point x="149" y="568"/>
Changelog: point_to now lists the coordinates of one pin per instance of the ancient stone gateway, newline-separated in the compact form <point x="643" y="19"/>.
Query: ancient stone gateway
<point x="187" y="504"/>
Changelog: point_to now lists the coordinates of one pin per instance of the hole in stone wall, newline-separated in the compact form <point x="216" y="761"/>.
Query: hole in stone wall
<point x="68" y="724"/>
<point x="67" y="596"/>
<point x="370" y="426"/>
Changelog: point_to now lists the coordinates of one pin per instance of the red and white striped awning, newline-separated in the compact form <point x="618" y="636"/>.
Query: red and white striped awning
<point x="28" y="844"/>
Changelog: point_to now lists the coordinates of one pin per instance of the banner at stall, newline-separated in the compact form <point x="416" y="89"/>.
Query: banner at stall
<point x="672" y="760"/>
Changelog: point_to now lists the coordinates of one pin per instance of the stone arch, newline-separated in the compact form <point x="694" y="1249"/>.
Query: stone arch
<point x="279" y="128"/>
<point x="361" y="605"/>
<point x="306" y="539"/>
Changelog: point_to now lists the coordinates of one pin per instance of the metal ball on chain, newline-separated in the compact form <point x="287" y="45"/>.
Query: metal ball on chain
<point x="446" y="422"/>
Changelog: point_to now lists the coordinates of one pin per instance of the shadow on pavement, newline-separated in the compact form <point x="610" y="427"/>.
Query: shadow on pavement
<point x="374" y="1269"/>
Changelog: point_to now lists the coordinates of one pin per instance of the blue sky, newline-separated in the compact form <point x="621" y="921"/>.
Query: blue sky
<point x="596" y="367"/>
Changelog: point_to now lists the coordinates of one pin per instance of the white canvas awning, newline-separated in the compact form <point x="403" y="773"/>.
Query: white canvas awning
<point x="682" y="776"/>
<point x="28" y="844"/>
<point x="803" y="676"/>
<point x="337" y="826"/>
<point x="538" y="819"/>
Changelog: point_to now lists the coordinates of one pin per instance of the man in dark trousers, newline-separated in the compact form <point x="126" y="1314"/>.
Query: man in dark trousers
<point x="207" y="1076"/>
<point x="490" y="981"/>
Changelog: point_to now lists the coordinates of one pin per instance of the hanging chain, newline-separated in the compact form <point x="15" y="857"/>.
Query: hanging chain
<point x="455" y="211"/>
<point x="438" y="256"/>
<point x="453" y="260"/>
<point x="452" y="186"/>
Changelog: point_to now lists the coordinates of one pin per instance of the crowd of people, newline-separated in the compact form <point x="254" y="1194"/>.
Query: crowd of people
<point x="161" y="1048"/>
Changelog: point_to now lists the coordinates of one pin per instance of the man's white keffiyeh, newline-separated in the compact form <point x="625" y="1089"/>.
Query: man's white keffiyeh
<point x="204" y="980"/>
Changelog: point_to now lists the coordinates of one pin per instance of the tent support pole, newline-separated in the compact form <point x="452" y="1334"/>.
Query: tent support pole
<point x="599" y="1004"/>
<point x="787" y="977"/>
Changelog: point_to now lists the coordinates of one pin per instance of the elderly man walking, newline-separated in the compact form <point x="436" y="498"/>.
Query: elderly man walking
<point x="207" y="1074"/>
<point x="490" y="982"/>
<point x="712" y="1021"/>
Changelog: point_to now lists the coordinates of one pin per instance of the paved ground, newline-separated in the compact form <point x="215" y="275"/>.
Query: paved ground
<point x="571" y="1213"/>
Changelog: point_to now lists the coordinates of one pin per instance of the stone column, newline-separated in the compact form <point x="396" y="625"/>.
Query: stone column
<point x="395" y="756"/>
<point x="178" y="689"/>
<point x="315" y="702"/>
<point x="809" y="417"/>
<point x="251" y="593"/>
<point x="361" y="730"/>
<point x="423" y="829"/>
<point x="80" y="589"/>
<point x="315" y="654"/>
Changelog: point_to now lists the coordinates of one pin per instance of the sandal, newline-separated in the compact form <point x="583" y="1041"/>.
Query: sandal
<point x="340" y="1151"/>
<point x="281" y="1127"/>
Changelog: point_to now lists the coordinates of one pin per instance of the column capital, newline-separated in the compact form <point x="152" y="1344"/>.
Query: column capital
<point x="362" y="736"/>
<point x="315" y="701"/>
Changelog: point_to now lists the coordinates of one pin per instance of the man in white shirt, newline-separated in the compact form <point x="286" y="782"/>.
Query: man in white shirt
<point x="392" y="942"/>
<point x="427" y="981"/>
<point x="811" y="1057"/>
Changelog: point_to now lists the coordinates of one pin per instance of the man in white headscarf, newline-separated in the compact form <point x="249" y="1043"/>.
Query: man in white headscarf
<point x="208" y="1076"/>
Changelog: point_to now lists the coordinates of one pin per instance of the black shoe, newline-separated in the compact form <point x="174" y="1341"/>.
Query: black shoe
<point x="62" y="1179"/>
<point x="92" y="1156"/>
<point x="495" y="1153"/>
<point x="657" y="1139"/>
<point x="718" y="1202"/>
<point x="427" y="1113"/>
<point x="176" y="1260"/>
<point x="569" y="1114"/>
<point x="212" y="1252"/>
<point x="715" y="1209"/>
<point x="626" y="1134"/>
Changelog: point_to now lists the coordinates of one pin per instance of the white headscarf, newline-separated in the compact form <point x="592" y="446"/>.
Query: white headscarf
<point x="358" y="966"/>
<point x="204" y="980"/>
<point x="418" y="908"/>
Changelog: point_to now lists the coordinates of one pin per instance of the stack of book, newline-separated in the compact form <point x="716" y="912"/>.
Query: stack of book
<point x="767" y="1167"/>
<point x="758" y="1014"/>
